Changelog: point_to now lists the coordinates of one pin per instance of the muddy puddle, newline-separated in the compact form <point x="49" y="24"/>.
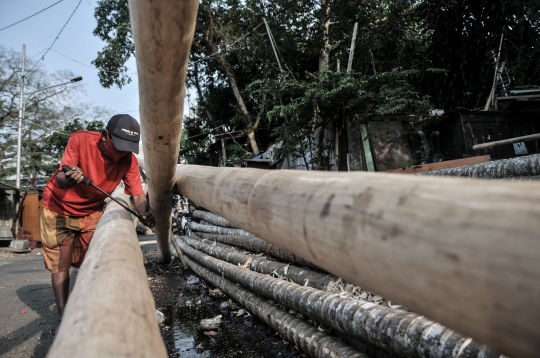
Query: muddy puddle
<point x="186" y="299"/>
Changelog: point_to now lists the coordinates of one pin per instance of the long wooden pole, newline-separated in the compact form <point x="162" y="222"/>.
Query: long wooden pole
<point x="497" y="143"/>
<point x="353" y="44"/>
<point x="111" y="311"/>
<point x="468" y="247"/>
<point x="163" y="33"/>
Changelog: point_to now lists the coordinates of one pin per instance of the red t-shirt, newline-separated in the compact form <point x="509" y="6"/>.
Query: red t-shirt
<point x="83" y="151"/>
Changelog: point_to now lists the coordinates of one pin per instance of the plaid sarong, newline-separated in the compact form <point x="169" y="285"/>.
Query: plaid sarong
<point x="65" y="239"/>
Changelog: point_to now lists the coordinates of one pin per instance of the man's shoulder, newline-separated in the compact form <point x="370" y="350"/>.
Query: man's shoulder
<point x="86" y="134"/>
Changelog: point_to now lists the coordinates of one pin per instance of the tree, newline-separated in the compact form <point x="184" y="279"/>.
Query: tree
<point x="47" y="112"/>
<point x="241" y="86"/>
<point x="462" y="35"/>
<point x="56" y="143"/>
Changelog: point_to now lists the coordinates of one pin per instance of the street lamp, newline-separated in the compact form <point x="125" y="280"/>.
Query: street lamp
<point x="21" y="117"/>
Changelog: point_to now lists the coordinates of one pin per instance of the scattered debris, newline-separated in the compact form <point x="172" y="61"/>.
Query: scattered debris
<point x="160" y="317"/>
<point x="215" y="293"/>
<point x="247" y="263"/>
<point x="210" y="323"/>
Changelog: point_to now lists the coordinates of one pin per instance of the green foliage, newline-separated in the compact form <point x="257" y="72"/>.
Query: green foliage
<point x="113" y="27"/>
<point x="461" y="36"/>
<point x="195" y="143"/>
<point x="325" y="95"/>
<point x="399" y="43"/>
<point x="236" y="152"/>
<point x="56" y="143"/>
<point x="47" y="111"/>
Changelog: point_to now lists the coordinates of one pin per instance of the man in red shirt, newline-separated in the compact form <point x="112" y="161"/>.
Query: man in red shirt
<point x="71" y="212"/>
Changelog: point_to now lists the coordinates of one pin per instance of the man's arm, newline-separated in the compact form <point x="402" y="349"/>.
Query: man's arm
<point x="143" y="208"/>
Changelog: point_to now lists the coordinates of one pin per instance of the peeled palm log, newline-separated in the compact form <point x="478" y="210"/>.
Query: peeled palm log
<point x="527" y="166"/>
<point x="258" y="246"/>
<point x="213" y="219"/>
<point x="111" y="311"/>
<point x="468" y="247"/>
<point x="402" y="333"/>
<point x="163" y="33"/>
<point x="306" y="336"/>
<point x="299" y="275"/>
<point x="217" y="230"/>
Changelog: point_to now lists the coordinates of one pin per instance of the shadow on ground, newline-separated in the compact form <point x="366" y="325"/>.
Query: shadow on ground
<point x="38" y="298"/>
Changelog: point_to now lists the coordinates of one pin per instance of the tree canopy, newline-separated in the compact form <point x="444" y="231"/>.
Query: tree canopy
<point x="50" y="116"/>
<point x="410" y="56"/>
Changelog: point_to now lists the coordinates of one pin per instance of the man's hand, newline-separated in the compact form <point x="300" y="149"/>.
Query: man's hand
<point x="70" y="178"/>
<point x="149" y="219"/>
<point x="143" y="208"/>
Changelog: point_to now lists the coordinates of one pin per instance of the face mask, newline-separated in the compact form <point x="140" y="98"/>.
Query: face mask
<point x="112" y="152"/>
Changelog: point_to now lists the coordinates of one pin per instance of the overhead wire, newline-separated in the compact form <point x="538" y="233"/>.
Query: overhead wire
<point x="57" y="36"/>
<point x="26" y="18"/>
<point x="207" y="133"/>
<point x="84" y="64"/>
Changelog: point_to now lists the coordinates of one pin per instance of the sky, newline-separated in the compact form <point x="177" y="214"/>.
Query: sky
<point x="76" y="42"/>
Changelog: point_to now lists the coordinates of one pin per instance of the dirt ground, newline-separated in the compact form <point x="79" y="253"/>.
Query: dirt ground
<point x="185" y="299"/>
<point x="28" y="312"/>
<point x="27" y="305"/>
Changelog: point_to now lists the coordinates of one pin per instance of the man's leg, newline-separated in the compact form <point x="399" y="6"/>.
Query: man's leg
<point x="60" y="283"/>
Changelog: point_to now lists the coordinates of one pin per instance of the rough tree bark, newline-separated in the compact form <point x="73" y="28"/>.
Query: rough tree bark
<point x="259" y="246"/>
<point x="111" y="311"/>
<point x="214" y="219"/>
<point x="328" y="48"/>
<point x="296" y="274"/>
<point x="526" y="166"/>
<point x="217" y="230"/>
<point x="163" y="33"/>
<point x="212" y="50"/>
<point x="452" y="242"/>
<point x="304" y="335"/>
<point x="402" y="333"/>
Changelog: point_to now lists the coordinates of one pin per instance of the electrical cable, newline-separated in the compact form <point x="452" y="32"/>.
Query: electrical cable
<point x="80" y="63"/>
<point x="26" y="18"/>
<point x="37" y="54"/>
<point x="207" y="133"/>
<point x="57" y="36"/>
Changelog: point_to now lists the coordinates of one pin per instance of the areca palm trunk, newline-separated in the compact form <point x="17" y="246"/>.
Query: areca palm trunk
<point x="527" y="166"/>
<point x="402" y="333"/>
<point x="296" y="274"/>
<point x="306" y="336"/>
<point x="259" y="246"/>
<point x="217" y="230"/>
<point x="214" y="219"/>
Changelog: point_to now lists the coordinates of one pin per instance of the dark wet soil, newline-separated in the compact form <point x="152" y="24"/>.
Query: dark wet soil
<point x="185" y="299"/>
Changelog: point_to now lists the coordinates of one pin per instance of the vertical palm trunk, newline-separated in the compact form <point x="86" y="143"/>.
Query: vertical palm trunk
<point x="163" y="33"/>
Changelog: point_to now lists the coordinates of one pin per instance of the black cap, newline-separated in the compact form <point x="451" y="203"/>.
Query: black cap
<point x="125" y="133"/>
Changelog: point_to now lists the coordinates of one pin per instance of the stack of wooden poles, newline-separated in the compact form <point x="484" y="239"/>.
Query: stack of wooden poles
<point x="321" y="314"/>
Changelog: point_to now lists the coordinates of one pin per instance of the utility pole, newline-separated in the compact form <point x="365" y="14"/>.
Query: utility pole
<point x="18" y="177"/>
<point x="353" y="43"/>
